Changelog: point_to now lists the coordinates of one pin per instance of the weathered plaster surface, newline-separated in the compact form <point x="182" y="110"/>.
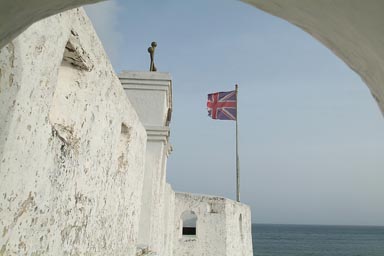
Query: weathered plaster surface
<point x="218" y="229"/>
<point x="71" y="145"/>
<point x="238" y="225"/>
<point x="149" y="87"/>
<point x="151" y="96"/>
<point x="17" y="15"/>
<point x="352" y="29"/>
<point x="169" y="217"/>
<point x="83" y="158"/>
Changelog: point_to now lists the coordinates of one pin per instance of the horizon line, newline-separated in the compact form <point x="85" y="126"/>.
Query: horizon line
<point x="306" y="224"/>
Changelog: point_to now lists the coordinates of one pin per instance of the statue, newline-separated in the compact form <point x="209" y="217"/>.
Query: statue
<point x="151" y="51"/>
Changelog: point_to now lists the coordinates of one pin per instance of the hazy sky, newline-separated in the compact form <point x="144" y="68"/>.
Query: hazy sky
<point x="311" y="135"/>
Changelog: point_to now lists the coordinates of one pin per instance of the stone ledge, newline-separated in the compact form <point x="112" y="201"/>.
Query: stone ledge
<point x="145" y="75"/>
<point x="155" y="133"/>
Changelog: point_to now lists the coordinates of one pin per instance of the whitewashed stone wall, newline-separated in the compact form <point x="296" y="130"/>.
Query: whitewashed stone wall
<point x="80" y="172"/>
<point x="169" y="219"/>
<point x="151" y="96"/>
<point x="218" y="229"/>
<point x="221" y="230"/>
<point x="71" y="145"/>
<point x="239" y="229"/>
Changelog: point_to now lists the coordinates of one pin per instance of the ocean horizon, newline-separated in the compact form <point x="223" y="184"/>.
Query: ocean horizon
<point x="317" y="240"/>
<point x="331" y="225"/>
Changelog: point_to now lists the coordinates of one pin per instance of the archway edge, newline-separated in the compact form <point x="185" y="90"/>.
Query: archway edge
<point x="18" y="15"/>
<point x="351" y="29"/>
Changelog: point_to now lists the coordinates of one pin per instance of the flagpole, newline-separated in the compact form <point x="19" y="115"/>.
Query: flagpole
<point x="237" y="150"/>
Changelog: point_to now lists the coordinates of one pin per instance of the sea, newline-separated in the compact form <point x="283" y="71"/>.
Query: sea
<point x="311" y="240"/>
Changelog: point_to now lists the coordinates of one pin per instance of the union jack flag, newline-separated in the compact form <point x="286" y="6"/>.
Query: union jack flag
<point x="222" y="105"/>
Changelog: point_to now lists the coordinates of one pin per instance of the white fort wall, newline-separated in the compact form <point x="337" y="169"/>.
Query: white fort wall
<point x="83" y="156"/>
<point x="58" y="194"/>
<point x="71" y="145"/>
<point x="151" y="96"/>
<point x="223" y="227"/>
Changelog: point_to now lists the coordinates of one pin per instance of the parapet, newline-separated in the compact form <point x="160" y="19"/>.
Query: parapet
<point x="211" y="225"/>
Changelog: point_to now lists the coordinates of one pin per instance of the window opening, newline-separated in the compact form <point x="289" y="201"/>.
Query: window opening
<point x="189" y="220"/>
